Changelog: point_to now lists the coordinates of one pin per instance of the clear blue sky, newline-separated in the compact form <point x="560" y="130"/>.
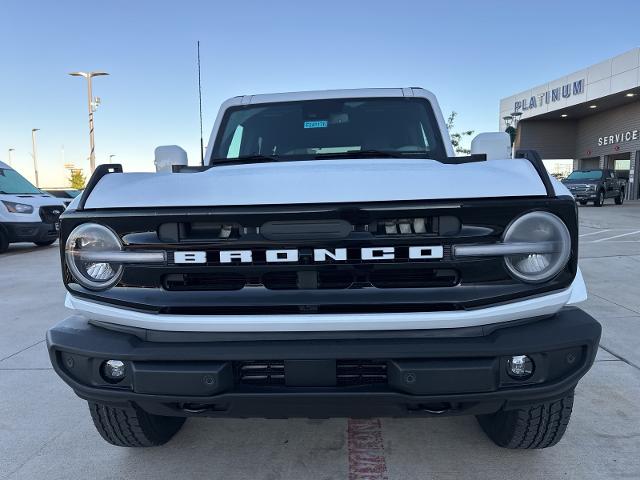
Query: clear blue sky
<point x="469" y="53"/>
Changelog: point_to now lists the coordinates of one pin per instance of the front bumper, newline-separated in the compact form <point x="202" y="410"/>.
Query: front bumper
<point x="31" y="231"/>
<point x="435" y="372"/>
<point x="584" y="196"/>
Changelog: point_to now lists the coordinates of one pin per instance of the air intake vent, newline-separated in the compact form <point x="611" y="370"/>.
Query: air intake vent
<point x="444" y="226"/>
<point x="307" y="280"/>
<point x="361" y="372"/>
<point x="414" y="278"/>
<point x="204" y="281"/>
<point x="260" y="373"/>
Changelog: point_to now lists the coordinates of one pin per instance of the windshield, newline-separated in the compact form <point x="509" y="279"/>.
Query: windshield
<point x="400" y="127"/>
<point x="585" y="175"/>
<point x="13" y="183"/>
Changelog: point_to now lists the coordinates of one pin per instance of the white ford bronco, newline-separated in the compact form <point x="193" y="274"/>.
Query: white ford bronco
<point x="332" y="258"/>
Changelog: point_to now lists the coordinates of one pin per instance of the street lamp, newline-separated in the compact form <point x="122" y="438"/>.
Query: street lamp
<point x="93" y="104"/>
<point x="511" y="121"/>
<point x="35" y="154"/>
<point x="11" y="150"/>
<point x="111" y="157"/>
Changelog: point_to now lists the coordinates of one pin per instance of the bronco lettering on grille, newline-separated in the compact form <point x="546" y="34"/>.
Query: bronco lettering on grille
<point x="428" y="252"/>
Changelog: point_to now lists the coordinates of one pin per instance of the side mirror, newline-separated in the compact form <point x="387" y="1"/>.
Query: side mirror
<point x="495" y="145"/>
<point x="169" y="155"/>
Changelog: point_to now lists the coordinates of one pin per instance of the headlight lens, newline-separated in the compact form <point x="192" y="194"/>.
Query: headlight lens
<point x="537" y="227"/>
<point x="18" y="207"/>
<point x="91" y="238"/>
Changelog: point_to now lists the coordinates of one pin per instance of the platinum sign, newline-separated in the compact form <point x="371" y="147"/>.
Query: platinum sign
<point x="550" y="96"/>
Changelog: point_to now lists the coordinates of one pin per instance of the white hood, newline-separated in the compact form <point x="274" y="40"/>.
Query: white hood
<point x="36" y="200"/>
<point x="322" y="181"/>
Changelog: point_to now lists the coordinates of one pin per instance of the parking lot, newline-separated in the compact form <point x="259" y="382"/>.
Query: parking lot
<point x="46" y="431"/>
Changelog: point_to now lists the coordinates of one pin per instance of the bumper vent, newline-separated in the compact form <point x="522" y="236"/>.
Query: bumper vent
<point x="361" y="372"/>
<point x="348" y="372"/>
<point x="260" y="373"/>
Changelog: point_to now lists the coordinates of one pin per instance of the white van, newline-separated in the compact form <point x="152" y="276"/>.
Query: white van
<point x="26" y="213"/>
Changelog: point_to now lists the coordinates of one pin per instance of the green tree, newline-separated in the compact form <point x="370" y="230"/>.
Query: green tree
<point x="77" y="179"/>
<point x="457" y="137"/>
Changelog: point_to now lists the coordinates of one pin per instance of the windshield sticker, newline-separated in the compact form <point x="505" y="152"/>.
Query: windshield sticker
<point x="316" y="124"/>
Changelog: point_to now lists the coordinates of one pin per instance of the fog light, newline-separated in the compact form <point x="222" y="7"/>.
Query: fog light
<point x="520" y="367"/>
<point x="113" y="371"/>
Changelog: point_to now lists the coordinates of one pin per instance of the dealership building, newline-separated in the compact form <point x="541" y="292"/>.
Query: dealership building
<point x="586" y="119"/>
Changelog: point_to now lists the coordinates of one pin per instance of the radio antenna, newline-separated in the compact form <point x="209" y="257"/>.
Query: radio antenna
<point x="200" y="101"/>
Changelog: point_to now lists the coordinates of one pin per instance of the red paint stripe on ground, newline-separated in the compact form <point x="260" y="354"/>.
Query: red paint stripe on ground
<point x="366" y="450"/>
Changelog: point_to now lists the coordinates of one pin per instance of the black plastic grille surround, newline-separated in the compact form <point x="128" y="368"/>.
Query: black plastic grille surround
<point x="50" y="213"/>
<point x="355" y="286"/>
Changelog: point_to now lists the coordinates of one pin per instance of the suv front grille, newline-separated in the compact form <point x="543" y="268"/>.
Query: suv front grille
<point x="51" y="214"/>
<point x="345" y="285"/>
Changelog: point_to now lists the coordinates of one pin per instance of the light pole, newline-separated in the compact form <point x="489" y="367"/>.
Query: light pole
<point x="93" y="104"/>
<point x="111" y="157"/>
<point x="35" y="154"/>
<point x="11" y="150"/>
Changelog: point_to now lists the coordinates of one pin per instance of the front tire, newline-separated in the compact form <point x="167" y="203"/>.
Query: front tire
<point x="4" y="241"/>
<point x="599" y="201"/>
<point x="46" y="243"/>
<point x="540" y="425"/>
<point x="133" y="427"/>
<point x="620" y="197"/>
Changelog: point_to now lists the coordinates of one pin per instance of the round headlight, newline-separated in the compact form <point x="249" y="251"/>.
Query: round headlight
<point x="85" y="242"/>
<point x="538" y="228"/>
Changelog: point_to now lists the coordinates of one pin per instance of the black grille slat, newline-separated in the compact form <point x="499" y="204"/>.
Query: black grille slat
<point x="204" y="281"/>
<point x="324" y="280"/>
<point x="414" y="278"/>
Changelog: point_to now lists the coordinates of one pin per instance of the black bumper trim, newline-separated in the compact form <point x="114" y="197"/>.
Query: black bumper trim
<point x="445" y="363"/>
<point x="30" y="231"/>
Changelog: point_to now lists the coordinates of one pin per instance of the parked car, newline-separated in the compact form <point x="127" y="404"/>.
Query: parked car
<point x="66" y="194"/>
<point x="595" y="186"/>
<point x="332" y="259"/>
<point x="26" y="213"/>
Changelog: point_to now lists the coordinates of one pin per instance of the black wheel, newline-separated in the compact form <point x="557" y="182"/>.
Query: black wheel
<point x="599" y="201"/>
<point x="4" y="242"/>
<point x="46" y="243"/>
<point x="620" y="197"/>
<point x="583" y="202"/>
<point x="132" y="427"/>
<point x="538" y="426"/>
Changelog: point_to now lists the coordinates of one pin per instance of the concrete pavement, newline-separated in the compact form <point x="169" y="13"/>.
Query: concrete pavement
<point x="46" y="431"/>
